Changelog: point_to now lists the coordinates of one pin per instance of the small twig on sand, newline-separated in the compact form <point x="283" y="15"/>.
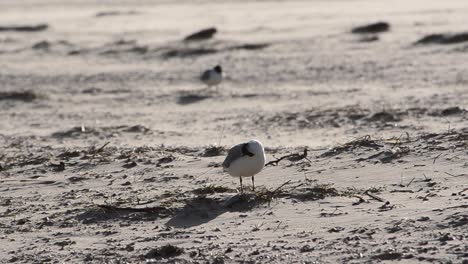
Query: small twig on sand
<point x="100" y="149"/>
<point x="433" y="162"/>
<point x="450" y="207"/>
<point x="292" y="157"/>
<point x="257" y="227"/>
<point x="462" y="191"/>
<point x="360" y="201"/>
<point x="425" y="198"/>
<point x="386" y="206"/>
<point x="375" y="197"/>
<point x="453" y="175"/>
<point x="278" y="226"/>
<point x="402" y="191"/>
<point x="269" y="195"/>
<point x="426" y="179"/>
<point x="410" y="182"/>
<point x="273" y="193"/>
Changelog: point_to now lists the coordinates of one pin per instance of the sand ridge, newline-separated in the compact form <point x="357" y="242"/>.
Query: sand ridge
<point x="112" y="148"/>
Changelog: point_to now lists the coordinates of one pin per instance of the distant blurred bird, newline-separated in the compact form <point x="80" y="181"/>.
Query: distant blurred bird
<point x="212" y="77"/>
<point x="245" y="160"/>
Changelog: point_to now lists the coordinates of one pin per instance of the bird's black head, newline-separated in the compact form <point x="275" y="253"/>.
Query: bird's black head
<point x="218" y="69"/>
<point x="245" y="150"/>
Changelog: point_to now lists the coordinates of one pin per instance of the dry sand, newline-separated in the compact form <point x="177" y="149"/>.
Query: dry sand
<point x="111" y="147"/>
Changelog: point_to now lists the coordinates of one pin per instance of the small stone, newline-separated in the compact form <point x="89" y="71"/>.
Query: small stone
<point x="423" y="219"/>
<point x="306" y="248"/>
<point x="446" y="237"/>
<point x="255" y="252"/>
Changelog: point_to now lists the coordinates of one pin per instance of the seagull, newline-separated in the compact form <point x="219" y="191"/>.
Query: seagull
<point x="245" y="160"/>
<point x="212" y="77"/>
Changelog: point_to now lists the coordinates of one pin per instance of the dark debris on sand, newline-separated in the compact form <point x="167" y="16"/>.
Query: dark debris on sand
<point x="203" y="34"/>
<point x="184" y="52"/>
<point x="41" y="45"/>
<point x="314" y="192"/>
<point x="25" y="28"/>
<point x="25" y="96"/>
<point x="452" y="111"/>
<point x="372" y="28"/>
<point x="213" y="151"/>
<point x="388" y="256"/>
<point x="253" y="46"/>
<point x="383" y="117"/>
<point x="115" y="13"/>
<point x="362" y="142"/>
<point x="212" y="189"/>
<point x="188" y="52"/>
<point x="167" y="251"/>
<point x="388" y="155"/>
<point x="446" y="38"/>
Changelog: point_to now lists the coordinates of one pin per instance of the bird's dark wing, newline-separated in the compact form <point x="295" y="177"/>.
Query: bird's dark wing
<point x="205" y="76"/>
<point x="233" y="154"/>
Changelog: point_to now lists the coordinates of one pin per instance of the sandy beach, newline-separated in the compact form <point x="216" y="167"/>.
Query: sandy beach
<point x="112" y="147"/>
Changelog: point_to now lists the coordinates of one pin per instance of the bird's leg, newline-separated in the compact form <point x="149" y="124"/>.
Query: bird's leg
<point x="240" y="178"/>
<point x="253" y="184"/>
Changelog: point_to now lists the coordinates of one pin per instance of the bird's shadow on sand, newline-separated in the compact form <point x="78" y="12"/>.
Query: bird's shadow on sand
<point x="191" y="97"/>
<point x="202" y="209"/>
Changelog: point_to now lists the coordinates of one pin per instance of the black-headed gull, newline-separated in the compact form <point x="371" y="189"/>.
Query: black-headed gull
<point x="245" y="160"/>
<point x="212" y="77"/>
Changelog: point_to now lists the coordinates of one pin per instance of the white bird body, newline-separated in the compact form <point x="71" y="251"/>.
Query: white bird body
<point x="246" y="166"/>
<point x="212" y="77"/>
<point x="245" y="160"/>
